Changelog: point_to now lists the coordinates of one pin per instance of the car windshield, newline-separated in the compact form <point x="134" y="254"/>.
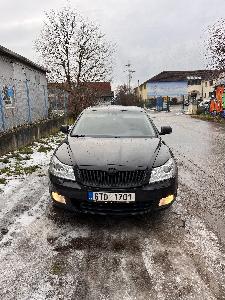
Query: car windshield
<point x="114" y="124"/>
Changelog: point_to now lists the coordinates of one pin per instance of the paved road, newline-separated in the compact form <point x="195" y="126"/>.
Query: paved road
<point x="176" y="254"/>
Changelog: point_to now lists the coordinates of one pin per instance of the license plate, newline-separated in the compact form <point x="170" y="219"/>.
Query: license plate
<point x="111" y="197"/>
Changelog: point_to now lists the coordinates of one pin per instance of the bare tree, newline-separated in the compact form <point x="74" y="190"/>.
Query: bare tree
<point x="74" y="50"/>
<point x="126" y="97"/>
<point x="215" y="46"/>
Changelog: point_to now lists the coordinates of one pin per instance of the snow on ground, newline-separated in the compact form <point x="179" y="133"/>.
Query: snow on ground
<point x="48" y="254"/>
<point x="23" y="178"/>
<point x="16" y="166"/>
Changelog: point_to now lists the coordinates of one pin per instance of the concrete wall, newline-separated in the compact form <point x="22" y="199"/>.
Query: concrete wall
<point x="29" y="101"/>
<point x="27" y="134"/>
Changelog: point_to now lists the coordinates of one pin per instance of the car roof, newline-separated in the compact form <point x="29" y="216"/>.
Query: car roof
<point x="114" y="108"/>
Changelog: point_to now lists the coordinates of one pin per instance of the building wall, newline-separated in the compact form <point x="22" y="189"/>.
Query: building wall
<point x="204" y="89"/>
<point x="141" y="92"/>
<point x="171" y="89"/>
<point x="23" y="92"/>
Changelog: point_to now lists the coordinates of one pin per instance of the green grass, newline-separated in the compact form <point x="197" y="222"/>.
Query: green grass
<point x="20" y="170"/>
<point x="5" y="170"/>
<point x="4" y="160"/>
<point x="26" y="150"/>
<point x="17" y="156"/>
<point x="27" y="157"/>
<point x="57" y="268"/>
<point x="2" y="181"/>
<point x="44" y="149"/>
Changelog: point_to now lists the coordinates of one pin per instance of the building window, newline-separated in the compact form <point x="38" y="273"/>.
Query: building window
<point x="206" y="84"/>
<point x="194" y="82"/>
<point x="205" y="95"/>
<point x="211" y="82"/>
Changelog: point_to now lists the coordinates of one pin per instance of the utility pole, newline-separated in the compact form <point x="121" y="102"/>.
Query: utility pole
<point x="130" y="72"/>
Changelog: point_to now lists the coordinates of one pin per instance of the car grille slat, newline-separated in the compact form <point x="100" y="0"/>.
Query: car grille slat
<point x="98" y="178"/>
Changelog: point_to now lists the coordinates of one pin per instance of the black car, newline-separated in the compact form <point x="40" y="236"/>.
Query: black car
<point x="113" y="161"/>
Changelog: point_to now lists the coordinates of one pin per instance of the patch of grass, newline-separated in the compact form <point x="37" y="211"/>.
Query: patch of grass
<point x="3" y="181"/>
<point x="26" y="150"/>
<point x="17" y="156"/>
<point x="57" y="268"/>
<point x="31" y="169"/>
<point x="4" y="160"/>
<point x="42" y="141"/>
<point x="27" y="157"/>
<point x="5" y="170"/>
<point x="44" y="149"/>
<point x="20" y="170"/>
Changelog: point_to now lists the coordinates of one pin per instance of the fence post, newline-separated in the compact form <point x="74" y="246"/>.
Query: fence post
<point x="168" y="103"/>
<point x="2" y="110"/>
<point x="28" y="102"/>
<point x="183" y="102"/>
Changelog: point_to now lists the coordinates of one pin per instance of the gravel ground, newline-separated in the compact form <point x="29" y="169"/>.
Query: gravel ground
<point x="175" y="254"/>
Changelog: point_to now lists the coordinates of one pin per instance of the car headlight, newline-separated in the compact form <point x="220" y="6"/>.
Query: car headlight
<point x="61" y="170"/>
<point x="163" y="172"/>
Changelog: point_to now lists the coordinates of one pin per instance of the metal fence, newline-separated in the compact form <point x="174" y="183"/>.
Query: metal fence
<point x="58" y="102"/>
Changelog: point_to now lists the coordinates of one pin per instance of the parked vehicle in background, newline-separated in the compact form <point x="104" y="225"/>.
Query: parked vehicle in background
<point x="205" y="103"/>
<point x="113" y="161"/>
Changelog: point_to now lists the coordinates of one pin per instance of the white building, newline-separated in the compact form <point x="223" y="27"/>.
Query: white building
<point x="23" y="90"/>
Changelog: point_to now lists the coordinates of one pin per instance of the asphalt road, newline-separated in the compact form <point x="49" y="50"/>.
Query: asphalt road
<point x="175" y="254"/>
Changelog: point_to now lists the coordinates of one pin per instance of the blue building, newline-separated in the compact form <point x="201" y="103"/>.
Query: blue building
<point x="176" y="84"/>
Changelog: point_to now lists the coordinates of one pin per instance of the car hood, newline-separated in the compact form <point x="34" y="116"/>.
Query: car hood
<point x="101" y="153"/>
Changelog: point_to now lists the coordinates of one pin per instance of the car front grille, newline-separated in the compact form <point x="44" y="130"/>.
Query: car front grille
<point x="98" y="178"/>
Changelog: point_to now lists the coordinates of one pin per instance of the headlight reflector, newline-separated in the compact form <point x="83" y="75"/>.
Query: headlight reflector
<point x="61" y="170"/>
<point x="163" y="172"/>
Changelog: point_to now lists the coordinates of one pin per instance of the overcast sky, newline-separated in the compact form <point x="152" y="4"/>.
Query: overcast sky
<point x="154" y="35"/>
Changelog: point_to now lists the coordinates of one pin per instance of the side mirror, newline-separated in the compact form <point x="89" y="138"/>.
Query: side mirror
<point x="165" y="130"/>
<point x="64" y="129"/>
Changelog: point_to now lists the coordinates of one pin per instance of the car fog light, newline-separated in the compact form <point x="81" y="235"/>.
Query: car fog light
<point x="59" y="198"/>
<point x="166" y="201"/>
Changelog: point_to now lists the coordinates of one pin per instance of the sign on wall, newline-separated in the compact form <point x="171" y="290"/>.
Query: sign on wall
<point x="171" y="89"/>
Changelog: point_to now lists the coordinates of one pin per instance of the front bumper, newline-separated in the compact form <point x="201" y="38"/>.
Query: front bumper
<point x="146" y="197"/>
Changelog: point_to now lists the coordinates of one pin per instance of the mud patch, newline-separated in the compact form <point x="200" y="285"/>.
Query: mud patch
<point x="162" y="259"/>
<point x="128" y="245"/>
